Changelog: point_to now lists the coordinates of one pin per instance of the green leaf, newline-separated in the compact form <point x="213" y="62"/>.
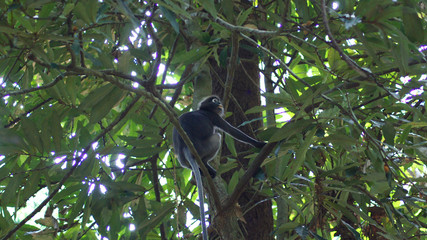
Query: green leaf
<point x="352" y="230"/>
<point x="103" y="107"/>
<point x="145" y="152"/>
<point x="6" y="222"/>
<point x="64" y="92"/>
<point x="124" y="186"/>
<point x="225" y="167"/>
<point x="317" y="237"/>
<point x="171" y="17"/>
<point x="87" y="11"/>
<point x="68" y="192"/>
<point x="233" y="181"/>
<point x="40" y="53"/>
<point x="10" y="142"/>
<point x="56" y="130"/>
<point x="84" y="136"/>
<point x="412" y="25"/>
<point x="96" y="96"/>
<point x="48" y="222"/>
<point x="389" y="133"/>
<point x="289" y="130"/>
<point x="303" y="10"/>
<point x="86" y="168"/>
<point x="192" y="207"/>
<point x="243" y="16"/>
<point x="300" y="155"/>
<point x="414" y="125"/>
<point x="105" y="168"/>
<point x="44" y="13"/>
<point x="304" y="51"/>
<point x="250" y="121"/>
<point x="209" y="6"/>
<point x="258" y="109"/>
<point x="333" y="58"/>
<point x="31" y="184"/>
<point x="186" y="57"/>
<point x="142" y="53"/>
<point x="229" y="141"/>
<point x="145" y="142"/>
<point x="289" y="226"/>
<point x="9" y="196"/>
<point x="174" y="8"/>
<point x="162" y="212"/>
<point x="283" y="98"/>
<point x="37" y="4"/>
<point x="28" y="77"/>
<point x="114" y="223"/>
<point x="45" y="135"/>
<point x="32" y="134"/>
<point x="9" y="30"/>
<point x="340" y="139"/>
<point x="26" y="23"/>
<point x="124" y="62"/>
<point x="68" y="8"/>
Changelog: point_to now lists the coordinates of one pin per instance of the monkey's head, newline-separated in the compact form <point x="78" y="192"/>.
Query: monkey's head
<point x="213" y="104"/>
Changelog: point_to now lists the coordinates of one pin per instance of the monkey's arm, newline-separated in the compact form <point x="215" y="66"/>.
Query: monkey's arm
<point x="234" y="132"/>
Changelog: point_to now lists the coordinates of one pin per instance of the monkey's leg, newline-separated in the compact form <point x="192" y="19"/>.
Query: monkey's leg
<point x="210" y="149"/>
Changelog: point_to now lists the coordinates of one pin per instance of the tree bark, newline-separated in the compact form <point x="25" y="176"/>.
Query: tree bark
<point x="258" y="216"/>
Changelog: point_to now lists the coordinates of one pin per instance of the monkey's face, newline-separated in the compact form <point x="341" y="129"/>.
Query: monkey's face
<point x="213" y="104"/>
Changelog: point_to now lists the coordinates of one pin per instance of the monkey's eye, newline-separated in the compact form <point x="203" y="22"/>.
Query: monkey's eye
<point x="215" y="100"/>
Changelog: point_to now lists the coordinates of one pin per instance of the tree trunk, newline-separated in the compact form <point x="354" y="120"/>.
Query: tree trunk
<point x="258" y="218"/>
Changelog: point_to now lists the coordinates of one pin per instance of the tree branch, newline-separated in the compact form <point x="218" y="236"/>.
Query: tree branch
<point x="28" y="90"/>
<point x="335" y="45"/>
<point x="14" y="121"/>
<point x="278" y="59"/>
<point x="243" y="182"/>
<point x="246" y="30"/>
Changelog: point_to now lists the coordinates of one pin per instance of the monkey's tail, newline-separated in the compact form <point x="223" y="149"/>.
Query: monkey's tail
<point x="199" y="184"/>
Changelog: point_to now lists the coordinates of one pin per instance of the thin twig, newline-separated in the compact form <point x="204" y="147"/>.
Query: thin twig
<point x="278" y="59"/>
<point x="171" y="55"/>
<point x="142" y="82"/>
<point x="236" y="103"/>
<point x="335" y="45"/>
<point x="158" y="43"/>
<point x="28" y="90"/>
<point x="259" y="33"/>
<point x="14" y="121"/>
<point x="232" y="66"/>
<point x="246" y="29"/>
<point x="87" y="230"/>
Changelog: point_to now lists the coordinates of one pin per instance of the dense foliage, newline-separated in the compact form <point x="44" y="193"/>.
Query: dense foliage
<point x="90" y="91"/>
